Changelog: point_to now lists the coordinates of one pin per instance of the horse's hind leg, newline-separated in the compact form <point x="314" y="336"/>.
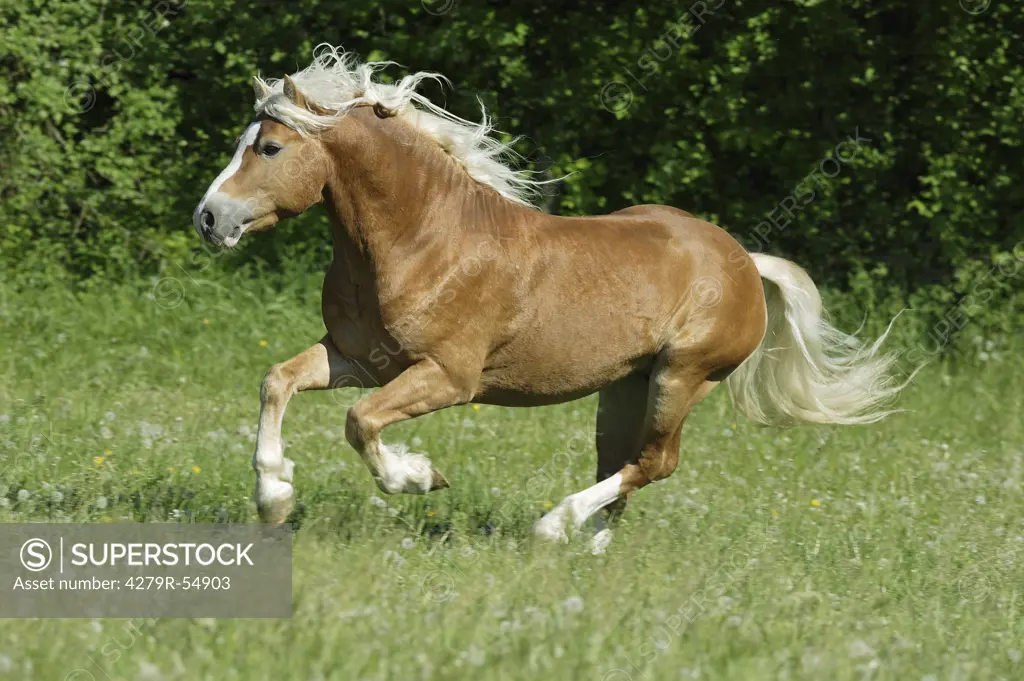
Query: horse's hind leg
<point x="316" y="368"/>
<point x="673" y="390"/>
<point x="621" y="410"/>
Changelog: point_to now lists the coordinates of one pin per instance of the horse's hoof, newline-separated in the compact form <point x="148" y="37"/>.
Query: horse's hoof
<point x="600" y="541"/>
<point x="438" y="481"/>
<point x="276" y="512"/>
<point x="274" y="501"/>
<point x="552" y="527"/>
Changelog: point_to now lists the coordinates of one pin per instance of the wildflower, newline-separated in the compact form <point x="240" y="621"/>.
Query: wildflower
<point x="378" y="502"/>
<point x="196" y="469"/>
<point x="815" y="502"/>
<point x="98" y="460"/>
<point x="135" y="471"/>
<point x="109" y="416"/>
<point x="206" y="321"/>
<point x="547" y="504"/>
<point x="572" y="604"/>
<point x="101" y="503"/>
<point x="263" y="343"/>
<point x="476" y="407"/>
<point x="107" y="452"/>
<point x="408" y="543"/>
<point x="170" y="469"/>
<point x="431" y="514"/>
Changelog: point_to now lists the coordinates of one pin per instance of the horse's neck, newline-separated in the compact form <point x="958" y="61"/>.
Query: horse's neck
<point x="399" y="193"/>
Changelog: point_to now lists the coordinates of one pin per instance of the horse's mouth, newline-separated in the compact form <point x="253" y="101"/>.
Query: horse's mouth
<point x="260" y="224"/>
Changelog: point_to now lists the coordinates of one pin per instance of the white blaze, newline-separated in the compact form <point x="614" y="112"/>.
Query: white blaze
<point x="245" y="141"/>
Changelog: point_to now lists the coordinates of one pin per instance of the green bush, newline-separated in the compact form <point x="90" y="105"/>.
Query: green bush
<point x="115" y="116"/>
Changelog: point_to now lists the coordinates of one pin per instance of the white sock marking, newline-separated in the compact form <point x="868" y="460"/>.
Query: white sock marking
<point x="574" y="510"/>
<point x="402" y="471"/>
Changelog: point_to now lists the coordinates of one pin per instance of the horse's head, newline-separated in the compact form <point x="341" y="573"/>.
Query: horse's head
<point x="276" y="173"/>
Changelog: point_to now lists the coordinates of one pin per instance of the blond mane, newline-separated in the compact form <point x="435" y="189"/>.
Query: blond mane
<point x="336" y="81"/>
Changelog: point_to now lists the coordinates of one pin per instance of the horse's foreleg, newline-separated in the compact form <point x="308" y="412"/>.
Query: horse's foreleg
<point x="316" y="368"/>
<point x="420" y="389"/>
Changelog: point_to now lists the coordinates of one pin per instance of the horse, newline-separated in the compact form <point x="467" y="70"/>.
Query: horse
<point x="448" y="286"/>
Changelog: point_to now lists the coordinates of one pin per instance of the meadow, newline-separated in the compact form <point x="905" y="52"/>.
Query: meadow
<point x="890" y="551"/>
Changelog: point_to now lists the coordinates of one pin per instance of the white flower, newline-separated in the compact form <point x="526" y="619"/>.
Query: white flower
<point x="394" y="558"/>
<point x="5" y="418"/>
<point x="106" y="433"/>
<point x="1015" y="655"/>
<point x="4" y="503"/>
<point x="378" y="502"/>
<point x="861" y="649"/>
<point x="416" y="441"/>
<point x="408" y="543"/>
<point x="149" y="672"/>
<point x="149" y="431"/>
<point x="6" y="665"/>
<point x="109" y="416"/>
<point x="101" y="503"/>
<point x="572" y="604"/>
<point x="23" y="495"/>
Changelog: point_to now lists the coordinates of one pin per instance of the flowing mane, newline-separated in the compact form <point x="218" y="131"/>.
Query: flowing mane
<point x="336" y="81"/>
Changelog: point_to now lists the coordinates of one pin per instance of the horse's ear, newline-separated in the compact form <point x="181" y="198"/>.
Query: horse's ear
<point x="298" y="99"/>
<point x="260" y="89"/>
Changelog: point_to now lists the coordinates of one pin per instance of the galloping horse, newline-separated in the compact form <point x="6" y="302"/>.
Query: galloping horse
<point x="650" y="306"/>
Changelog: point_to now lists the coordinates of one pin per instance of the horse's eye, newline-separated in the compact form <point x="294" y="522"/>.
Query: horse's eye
<point x="270" y="150"/>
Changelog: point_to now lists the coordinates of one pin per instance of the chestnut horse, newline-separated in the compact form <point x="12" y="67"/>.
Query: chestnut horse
<point x="650" y="307"/>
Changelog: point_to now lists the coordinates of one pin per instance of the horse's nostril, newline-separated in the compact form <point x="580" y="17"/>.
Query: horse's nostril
<point x="207" y="220"/>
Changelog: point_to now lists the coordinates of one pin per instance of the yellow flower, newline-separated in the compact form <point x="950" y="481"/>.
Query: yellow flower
<point x="476" y="407"/>
<point x="135" y="471"/>
<point x="775" y="514"/>
<point x="107" y="519"/>
<point x="431" y="514"/>
<point x="107" y="452"/>
<point x="548" y="504"/>
<point x="263" y="343"/>
<point x="815" y="502"/>
<point x="206" y="321"/>
<point x="170" y="469"/>
<point x="98" y="460"/>
<point x="195" y="469"/>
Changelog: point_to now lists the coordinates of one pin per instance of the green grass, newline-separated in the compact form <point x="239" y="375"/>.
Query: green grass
<point x="891" y="551"/>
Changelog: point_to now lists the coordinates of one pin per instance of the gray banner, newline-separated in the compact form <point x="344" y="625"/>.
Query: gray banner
<point x="145" y="570"/>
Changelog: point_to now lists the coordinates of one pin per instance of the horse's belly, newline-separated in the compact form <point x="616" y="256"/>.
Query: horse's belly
<point x="536" y="380"/>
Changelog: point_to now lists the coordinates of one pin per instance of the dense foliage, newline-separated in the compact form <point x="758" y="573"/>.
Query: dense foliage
<point x="877" y="143"/>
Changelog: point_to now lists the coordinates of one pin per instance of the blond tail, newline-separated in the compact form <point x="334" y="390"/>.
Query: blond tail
<point x="807" y="371"/>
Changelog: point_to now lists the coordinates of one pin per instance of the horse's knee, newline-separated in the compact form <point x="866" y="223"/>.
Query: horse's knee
<point x="276" y="384"/>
